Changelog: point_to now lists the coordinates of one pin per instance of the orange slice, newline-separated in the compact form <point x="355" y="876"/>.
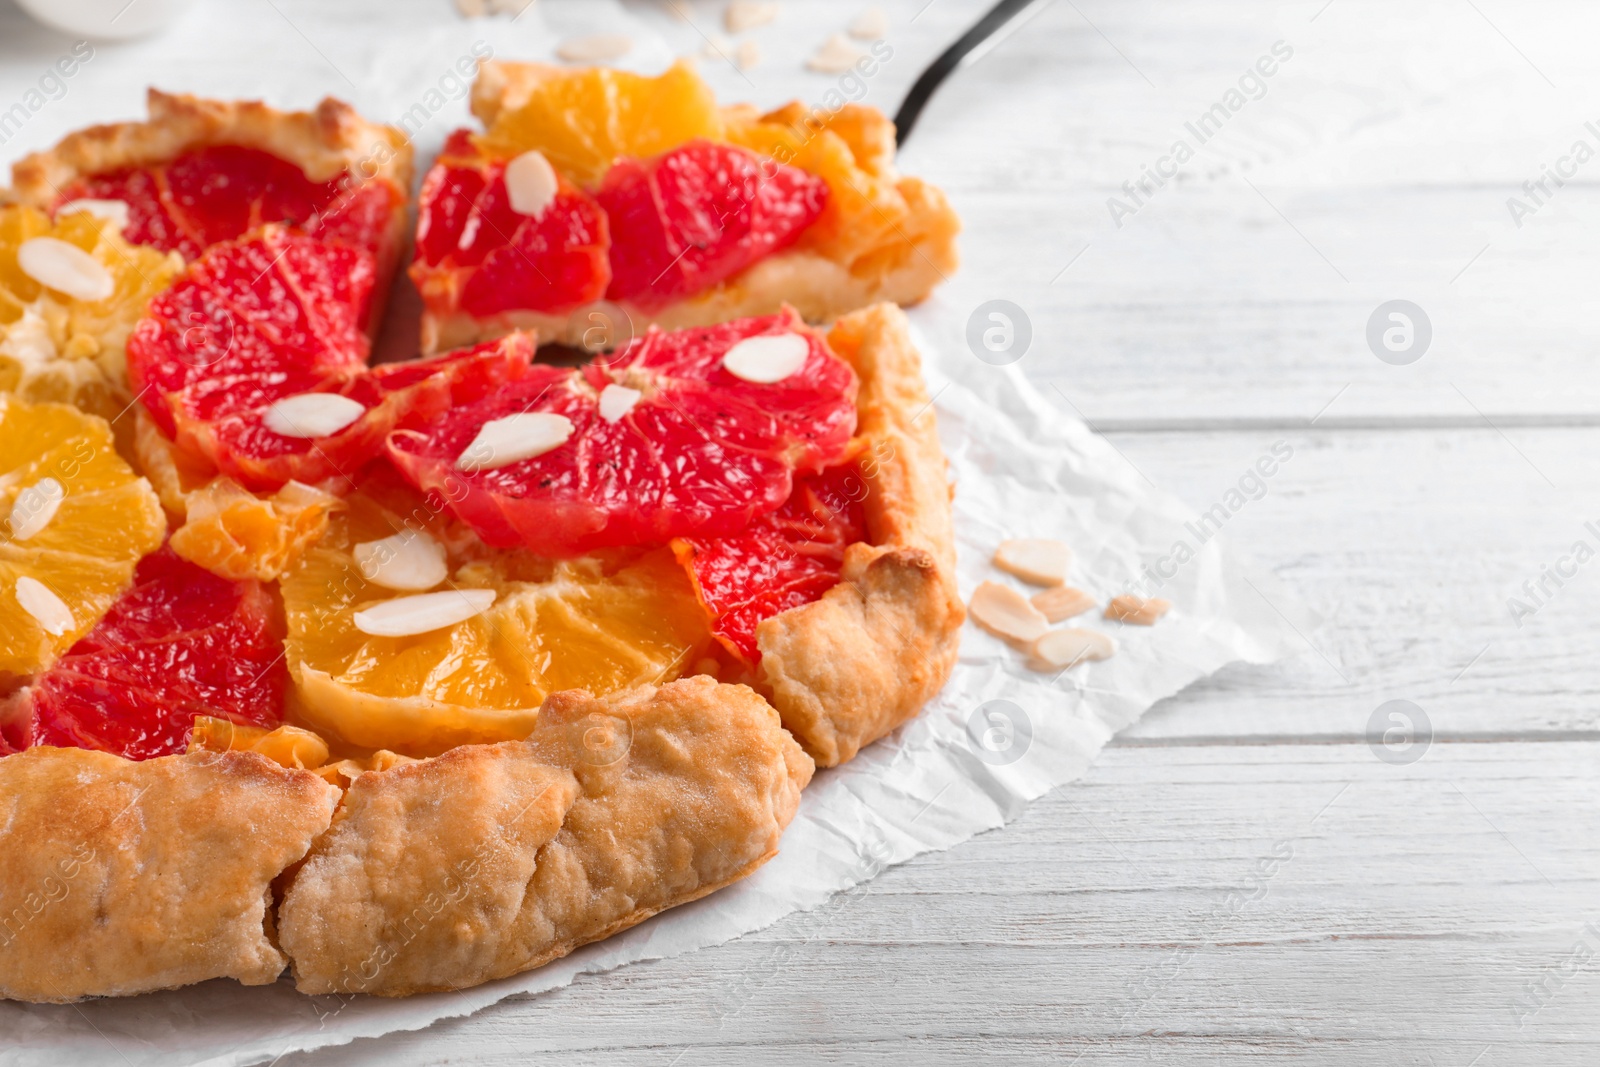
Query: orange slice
<point x="601" y="622"/>
<point x="61" y="348"/>
<point x="585" y="120"/>
<point x="74" y="521"/>
<point x="238" y="534"/>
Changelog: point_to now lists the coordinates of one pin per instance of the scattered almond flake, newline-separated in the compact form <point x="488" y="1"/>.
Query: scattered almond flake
<point x="66" y="268"/>
<point x="767" y="359"/>
<point x="510" y="7"/>
<point x="747" y="55"/>
<point x="34" y="507"/>
<point x="408" y="616"/>
<point x="1137" y="610"/>
<point x="114" y="210"/>
<point x="1063" y="649"/>
<point x="312" y="415"/>
<point x="871" y="25"/>
<point x="595" y="48"/>
<point x="1039" y="560"/>
<point x="471" y="9"/>
<point x="741" y="15"/>
<point x="617" y="400"/>
<point x="531" y="184"/>
<point x="1062" y="602"/>
<point x="514" y="438"/>
<point x="835" y="56"/>
<point x="47" y="609"/>
<point x="410" y="561"/>
<point x="1006" y="613"/>
<point x="717" y="47"/>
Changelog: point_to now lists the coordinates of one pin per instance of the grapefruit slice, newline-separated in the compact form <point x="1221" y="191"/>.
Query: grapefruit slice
<point x="662" y="441"/>
<point x="66" y="348"/>
<point x="698" y="214"/>
<point x="254" y="363"/>
<point x="782" y="560"/>
<point x="600" y="623"/>
<point x="74" y="520"/>
<point x="218" y="193"/>
<point x="180" y="643"/>
<point x="476" y="252"/>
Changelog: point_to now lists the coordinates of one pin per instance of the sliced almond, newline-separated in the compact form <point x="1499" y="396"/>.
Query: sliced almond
<point x="1006" y="613"/>
<point x="47" y="609"/>
<point x="835" y="56"/>
<point x="871" y="25"/>
<point x="717" y="47"/>
<point x="768" y="359"/>
<point x="1137" y="610"/>
<point x="595" y="48"/>
<point x="1034" y="559"/>
<point x="514" y="438"/>
<point x="34" y="507"/>
<point x="408" y="616"/>
<point x="747" y="55"/>
<point x="311" y="415"/>
<point x="617" y="400"/>
<point x="1063" y="649"/>
<point x="1062" y="602"/>
<point x="115" y="211"/>
<point x="409" y="560"/>
<point x="531" y="184"/>
<point x="741" y="15"/>
<point x="66" y="268"/>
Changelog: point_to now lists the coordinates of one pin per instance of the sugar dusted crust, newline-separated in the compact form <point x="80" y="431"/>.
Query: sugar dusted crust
<point x="123" y="878"/>
<point x="847" y="669"/>
<point x="324" y="143"/>
<point x="495" y="859"/>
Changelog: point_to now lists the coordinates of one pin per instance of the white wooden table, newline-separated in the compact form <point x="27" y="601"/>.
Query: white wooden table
<point x="1241" y="878"/>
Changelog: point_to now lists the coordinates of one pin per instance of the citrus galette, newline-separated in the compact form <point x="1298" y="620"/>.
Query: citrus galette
<point x="409" y="676"/>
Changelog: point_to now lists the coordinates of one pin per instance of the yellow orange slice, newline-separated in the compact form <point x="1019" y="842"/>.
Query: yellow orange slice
<point x="600" y="623"/>
<point x="238" y="534"/>
<point x="74" y="521"/>
<point x="57" y="347"/>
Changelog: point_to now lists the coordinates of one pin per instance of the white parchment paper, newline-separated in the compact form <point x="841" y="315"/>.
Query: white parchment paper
<point x="1024" y="467"/>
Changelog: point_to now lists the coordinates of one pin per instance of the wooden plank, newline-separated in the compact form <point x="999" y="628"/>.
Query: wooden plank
<point x="1188" y="904"/>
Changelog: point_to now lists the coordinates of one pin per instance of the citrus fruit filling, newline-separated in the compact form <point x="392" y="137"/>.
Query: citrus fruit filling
<point x="782" y="560"/>
<point x="74" y="521"/>
<point x="70" y="293"/>
<point x="217" y="193"/>
<point x="686" y="433"/>
<point x="407" y="633"/>
<point x="254" y="363"/>
<point x="180" y="643"/>
<point x="477" y="251"/>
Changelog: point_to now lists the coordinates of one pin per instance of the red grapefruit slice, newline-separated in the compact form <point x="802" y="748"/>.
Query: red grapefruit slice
<point x="182" y="642"/>
<point x="782" y="560"/>
<point x="699" y="214"/>
<point x="227" y="359"/>
<point x="683" y="447"/>
<point x="474" y="252"/>
<point x="220" y="192"/>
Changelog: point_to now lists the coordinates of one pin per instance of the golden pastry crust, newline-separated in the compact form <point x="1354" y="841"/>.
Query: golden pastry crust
<point x="494" y="859"/>
<point x="845" y="670"/>
<point x="123" y="878"/>
<point x="324" y="143"/>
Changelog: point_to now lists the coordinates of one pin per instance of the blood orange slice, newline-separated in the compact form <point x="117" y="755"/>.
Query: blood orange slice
<point x="477" y="253"/>
<point x="238" y="361"/>
<point x="782" y="560"/>
<point x="180" y="643"/>
<point x="218" y="193"/>
<point x="662" y="441"/>
<point x="694" y="216"/>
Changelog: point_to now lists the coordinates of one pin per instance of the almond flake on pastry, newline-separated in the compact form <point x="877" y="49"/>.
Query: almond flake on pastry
<point x="514" y="438"/>
<point x="47" y="609"/>
<point x="66" y="268"/>
<point x="312" y="415"/>
<point x="408" y="616"/>
<point x="114" y="210"/>
<point x="766" y="360"/>
<point x="34" y="507"/>
<point x="409" y="560"/>
<point x="531" y="184"/>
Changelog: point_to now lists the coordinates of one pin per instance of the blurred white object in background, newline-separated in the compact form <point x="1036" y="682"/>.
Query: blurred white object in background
<point x="107" y="20"/>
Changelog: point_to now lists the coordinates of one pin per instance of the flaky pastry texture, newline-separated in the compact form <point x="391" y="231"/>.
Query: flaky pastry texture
<point x="495" y="859"/>
<point x="324" y="143"/>
<point x="845" y="670"/>
<point x="122" y="877"/>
